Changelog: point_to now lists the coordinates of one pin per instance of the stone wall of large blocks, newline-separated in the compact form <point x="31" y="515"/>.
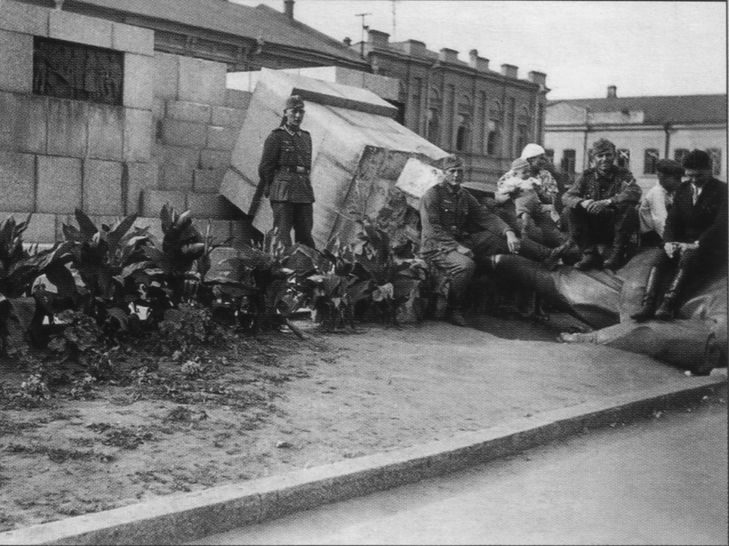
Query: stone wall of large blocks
<point x="169" y="141"/>
<point x="60" y="154"/>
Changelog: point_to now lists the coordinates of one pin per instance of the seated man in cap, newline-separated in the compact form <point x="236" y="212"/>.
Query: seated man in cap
<point x="602" y="208"/>
<point x="656" y="201"/>
<point x="457" y="233"/>
<point x="695" y="236"/>
<point x="284" y="172"/>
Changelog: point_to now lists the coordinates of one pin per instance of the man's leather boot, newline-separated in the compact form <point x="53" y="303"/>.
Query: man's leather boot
<point x="648" y="303"/>
<point x="667" y="309"/>
<point x="615" y="260"/>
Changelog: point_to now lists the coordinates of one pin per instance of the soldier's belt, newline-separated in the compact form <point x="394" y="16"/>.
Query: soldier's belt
<point x="297" y="170"/>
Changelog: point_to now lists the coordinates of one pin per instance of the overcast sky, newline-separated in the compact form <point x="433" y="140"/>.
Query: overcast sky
<point x="644" y="48"/>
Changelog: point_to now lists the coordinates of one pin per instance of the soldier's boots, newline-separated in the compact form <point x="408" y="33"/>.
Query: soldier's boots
<point x="457" y="318"/>
<point x="615" y="260"/>
<point x="667" y="309"/>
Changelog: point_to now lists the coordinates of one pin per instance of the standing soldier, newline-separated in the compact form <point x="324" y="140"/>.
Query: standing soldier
<point x="284" y="172"/>
<point x="602" y="208"/>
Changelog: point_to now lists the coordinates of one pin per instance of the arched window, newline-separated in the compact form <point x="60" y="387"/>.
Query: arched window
<point x="493" y="140"/>
<point x="433" y="125"/>
<point x="463" y="133"/>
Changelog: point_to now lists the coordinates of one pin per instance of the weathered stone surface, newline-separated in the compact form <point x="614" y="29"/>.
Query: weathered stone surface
<point x="219" y="229"/>
<point x="159" y="108"/>
<point x="16" y="62"/>
<point x="139" y="79"/>
<point x="207" y="180"/>
<point x="228" y="117"/>
<point x="24" y="121"/>
<point x="41" y="228"/>
<point x="102" y="190"/>
<point x="221" y="138"/>
<point x="166" y="75"/>
<point x="17" y="182"/>
<point x="138" y="177"/>
<point x="137" y="134"/>
<point x="183" y="133"/>
<point x="176" y="166"/>
<point x="154" y="200"/>
<point x="59" y="184"/>
<point x="106" y="131"/>
<point x="67" y="127"/>
<point x="65" y="25"/>
<point x="214" y="159"/>
<point x="132" y="39"/>
<point x="201" y="81"/>
<point x="210" y="205"/>
<point x="23" y="18"/>
<point x="236" y="98"/>
<point x="189" y="111"/>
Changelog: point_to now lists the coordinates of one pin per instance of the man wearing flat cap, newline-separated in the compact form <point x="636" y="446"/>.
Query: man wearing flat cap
<point x="656" y="201"/>
<point x="284" y="173"/>
<point x="602" y="208"/>
<point x="695" y="237"/>
<point x="457" y="233"/>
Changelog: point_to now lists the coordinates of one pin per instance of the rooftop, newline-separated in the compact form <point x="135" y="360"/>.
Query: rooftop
<point x="661" y="109"/>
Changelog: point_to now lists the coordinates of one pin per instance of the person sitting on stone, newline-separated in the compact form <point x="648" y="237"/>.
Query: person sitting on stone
<point x="602" y="208"/>
<point x="529" y="196"/>
<point x="458" y="233"/>
<point x="655" y="203"/>
<point x="695" y="237"/>
<point x="551" y="180"/>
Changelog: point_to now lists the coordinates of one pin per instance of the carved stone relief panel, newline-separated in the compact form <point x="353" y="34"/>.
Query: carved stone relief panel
<point x="77" y="71"/>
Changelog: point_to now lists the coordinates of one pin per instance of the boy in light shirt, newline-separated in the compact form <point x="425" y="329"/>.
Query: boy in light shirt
<point x="654" y="204"/>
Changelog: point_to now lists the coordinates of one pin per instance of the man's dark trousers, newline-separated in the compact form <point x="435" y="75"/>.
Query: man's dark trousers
<point x="613" y="226"/>
<point x="299" y="216"/>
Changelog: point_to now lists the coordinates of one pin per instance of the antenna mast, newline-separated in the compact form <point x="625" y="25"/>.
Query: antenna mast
<point x="364" y="27"/>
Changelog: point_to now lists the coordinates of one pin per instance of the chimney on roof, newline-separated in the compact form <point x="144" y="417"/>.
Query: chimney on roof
<point x="476" y="62"/>
<point x="538" y="77"/>
<point x="509" y="70"/>
<point x="612" y="92"/>
<point x="347" y="41"/>
<point x="377" y="38"/>
<point x="289" y="8"/>
<point x="448" y="55"/>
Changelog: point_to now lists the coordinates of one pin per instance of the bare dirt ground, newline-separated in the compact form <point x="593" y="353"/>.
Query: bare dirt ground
<point x="273" y="403"/>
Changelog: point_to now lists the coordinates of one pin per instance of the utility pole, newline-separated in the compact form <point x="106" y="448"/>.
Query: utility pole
<point x="364" y="27"/>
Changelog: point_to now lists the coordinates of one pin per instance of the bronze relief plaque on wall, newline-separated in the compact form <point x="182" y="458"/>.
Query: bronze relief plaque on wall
<point x="76" y="71"/>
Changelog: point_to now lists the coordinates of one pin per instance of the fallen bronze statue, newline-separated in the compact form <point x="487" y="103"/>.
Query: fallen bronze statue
<point x="696" y="340"/>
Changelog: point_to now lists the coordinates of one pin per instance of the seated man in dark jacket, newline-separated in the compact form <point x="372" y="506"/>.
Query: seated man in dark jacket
<point x="695" y="237"/>
<point x="602" y="208"/>
<point x="457" y="233"/>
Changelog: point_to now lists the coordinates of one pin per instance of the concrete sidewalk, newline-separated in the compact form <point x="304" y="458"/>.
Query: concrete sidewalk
<point x="187" y="517"/>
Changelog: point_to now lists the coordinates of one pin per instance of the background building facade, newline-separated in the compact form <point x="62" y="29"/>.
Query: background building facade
<point x="643" y="129"/>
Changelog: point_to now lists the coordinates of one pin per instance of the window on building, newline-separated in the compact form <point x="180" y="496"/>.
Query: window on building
<point x="511" y="127"/>
<point x="650" y="159"/>
<point x="493" y="140"/>
<point x="75" y="71"/>
<point x="433" y="127"/>
<point x="463" y="133"/>
<point x="679" y="154"/>
<point x="521" y="137"/>
<point x="623" y="159"/>
<point x="567" y="165"/>
<point x="715" y="155"/>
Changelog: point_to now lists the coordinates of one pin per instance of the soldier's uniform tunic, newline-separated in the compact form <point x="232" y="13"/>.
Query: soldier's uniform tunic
<point x="284" y="171"/>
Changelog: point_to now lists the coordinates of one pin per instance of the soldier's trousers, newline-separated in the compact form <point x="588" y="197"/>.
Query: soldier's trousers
<point x="459" y="269"/>
<point x="489" y="243"/>
<point x="613" y="226"/>
<point x="299" y="216"/>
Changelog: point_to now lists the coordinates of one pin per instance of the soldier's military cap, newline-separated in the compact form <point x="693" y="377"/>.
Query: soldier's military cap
<point x="451" y="162"/>
<point x="294" y="101"/>
<point x="601" y="146"/>
<point x="697" y="160"/>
